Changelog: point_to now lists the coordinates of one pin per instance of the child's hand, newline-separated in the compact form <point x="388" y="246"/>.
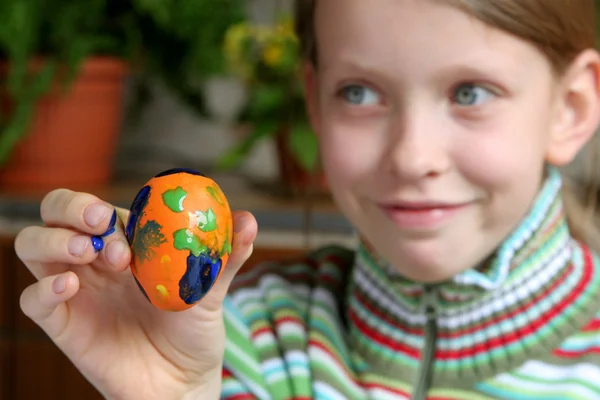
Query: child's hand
<point x="90" y="305"/>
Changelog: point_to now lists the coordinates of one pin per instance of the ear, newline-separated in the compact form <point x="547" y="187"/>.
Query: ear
<point x="578" y="106"/>
<point x="311" y="95"/>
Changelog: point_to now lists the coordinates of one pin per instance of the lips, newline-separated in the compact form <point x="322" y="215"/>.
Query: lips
<point x="421" y="215"/>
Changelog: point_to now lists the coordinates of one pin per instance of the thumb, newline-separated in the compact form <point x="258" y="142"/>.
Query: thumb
<point x="245" y="229"/>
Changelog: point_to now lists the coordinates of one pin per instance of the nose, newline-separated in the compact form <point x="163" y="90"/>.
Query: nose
<point x="418" y="148"/>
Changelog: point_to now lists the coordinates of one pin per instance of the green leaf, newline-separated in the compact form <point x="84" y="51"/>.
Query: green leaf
<point x="236" y="154"/>
<point x="304" y="146"/>
<point x="267" y="99"/>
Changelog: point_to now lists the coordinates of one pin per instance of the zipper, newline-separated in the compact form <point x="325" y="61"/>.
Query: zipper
<point x="425" y="374"/>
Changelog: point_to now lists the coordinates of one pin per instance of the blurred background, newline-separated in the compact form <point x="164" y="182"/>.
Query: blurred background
<point x="101" y="95"/>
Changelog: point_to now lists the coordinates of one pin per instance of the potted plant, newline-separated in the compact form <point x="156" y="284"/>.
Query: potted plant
<point x="63" y="67"/>
<point x="267" y="60"/>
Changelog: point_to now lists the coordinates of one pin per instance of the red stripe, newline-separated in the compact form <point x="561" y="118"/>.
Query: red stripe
<point x="241" y="396"/>
<point x="264" y="329"/>
<point x="576" y="354"/>
<point x="385" y="341"/>
<point x="594" y="325"/>
<point x="386" y="317"/>
<point x="278" y="321"/>
<point x="372" y="385"/>
<point x="288" y="318"/>
<point x="328" y="279"/>
<point x="225" y="373"/>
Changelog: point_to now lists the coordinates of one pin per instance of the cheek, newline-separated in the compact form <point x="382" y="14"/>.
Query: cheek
<point x="349" y="151"/>
<point x="506" y="154"/>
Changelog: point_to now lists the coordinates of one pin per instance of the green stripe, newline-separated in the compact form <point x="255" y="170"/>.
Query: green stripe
<point x="541" y="379"/>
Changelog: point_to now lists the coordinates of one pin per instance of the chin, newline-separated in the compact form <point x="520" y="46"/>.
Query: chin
<point x="424" y="261"/>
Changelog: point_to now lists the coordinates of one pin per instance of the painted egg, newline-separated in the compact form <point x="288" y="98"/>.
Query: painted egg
<point x="179" y="229"/>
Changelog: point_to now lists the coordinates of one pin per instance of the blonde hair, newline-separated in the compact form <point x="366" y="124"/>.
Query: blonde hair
<point x="561" y="29"/>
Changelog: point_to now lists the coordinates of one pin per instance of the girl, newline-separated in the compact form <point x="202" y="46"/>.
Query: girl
<point x="443" y="125"/>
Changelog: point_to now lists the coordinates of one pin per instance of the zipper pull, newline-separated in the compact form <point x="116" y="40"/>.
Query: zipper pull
<point x="429" y="302"/>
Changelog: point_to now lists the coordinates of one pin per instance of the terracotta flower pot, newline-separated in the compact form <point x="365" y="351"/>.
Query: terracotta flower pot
<point x="72" y="137"/>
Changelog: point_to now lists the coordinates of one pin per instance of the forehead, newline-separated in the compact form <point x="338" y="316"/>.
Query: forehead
<point x="420" y="34"/>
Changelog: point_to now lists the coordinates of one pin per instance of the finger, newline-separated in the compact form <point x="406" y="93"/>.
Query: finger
<point x="44" y="301"/>
<point x="245" y="231"/>
<point x="82" y="211"/>
<point x="114" y="253"/>
<point x="37" y="245"/>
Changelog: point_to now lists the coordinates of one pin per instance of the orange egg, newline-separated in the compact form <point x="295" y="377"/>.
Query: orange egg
<point x="180" y="229"/>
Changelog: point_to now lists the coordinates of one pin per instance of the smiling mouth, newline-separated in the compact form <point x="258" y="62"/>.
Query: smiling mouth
<point x="419" y="216"/>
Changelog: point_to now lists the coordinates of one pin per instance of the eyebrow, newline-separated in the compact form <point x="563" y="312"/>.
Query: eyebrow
<point x="476" y="67"/>
<point x="349" y="62"/>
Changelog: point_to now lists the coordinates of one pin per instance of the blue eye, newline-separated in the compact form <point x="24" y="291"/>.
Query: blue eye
<point x="359" y="95"/>
<point x="470" y="95"/>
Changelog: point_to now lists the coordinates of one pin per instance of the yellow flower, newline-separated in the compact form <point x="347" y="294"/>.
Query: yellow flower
<point x="272" y="54"/>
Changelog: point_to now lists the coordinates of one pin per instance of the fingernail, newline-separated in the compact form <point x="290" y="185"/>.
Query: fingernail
<point x="59" y="284"/>
<point x="239" y="223"/>
<point x="94" y="214"/>
<point x="77" y="245"/>
<point x="115" y="252"/>
<point x="98" y="243"/>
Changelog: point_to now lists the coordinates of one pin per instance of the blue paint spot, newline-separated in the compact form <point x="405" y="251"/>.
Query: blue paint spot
<point x="136" y="209"/>
<point x="98" y="243"/>
<point x="199" y="277"/>
<point x="173" y="171"/>
<point x="111" y="226"/>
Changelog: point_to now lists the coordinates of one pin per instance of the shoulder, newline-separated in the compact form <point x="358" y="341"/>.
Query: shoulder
<point x="305" y="270"/>
<point x="271" y="287"/>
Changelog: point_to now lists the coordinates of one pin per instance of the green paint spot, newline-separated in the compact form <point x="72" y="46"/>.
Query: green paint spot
<point x="173" y="199"/>
<point x="226" y="243"/>
<point x="215" y="194"/>
<point x="186" y="240"/>
<point x="146" y="239"/>
<point x="207" y="221"/>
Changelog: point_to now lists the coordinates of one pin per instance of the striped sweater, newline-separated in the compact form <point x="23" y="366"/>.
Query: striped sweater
<point x="340" y="324"/>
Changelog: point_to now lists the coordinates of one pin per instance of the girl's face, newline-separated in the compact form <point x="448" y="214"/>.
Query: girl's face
<point x="434" y="129"/>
